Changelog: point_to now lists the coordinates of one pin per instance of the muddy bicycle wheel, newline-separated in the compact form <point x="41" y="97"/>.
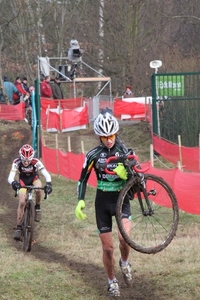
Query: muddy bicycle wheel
<point x="154" y="214"/>
<point x="28" y="226"/>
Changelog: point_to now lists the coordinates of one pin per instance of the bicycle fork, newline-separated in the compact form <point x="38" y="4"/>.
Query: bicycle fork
<point x="26" y="209"/>
<point x="141" y="188"/>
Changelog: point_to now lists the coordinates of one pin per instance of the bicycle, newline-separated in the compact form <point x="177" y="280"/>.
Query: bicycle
<point x="28" y="217"/>
<point x="154" y="208"/>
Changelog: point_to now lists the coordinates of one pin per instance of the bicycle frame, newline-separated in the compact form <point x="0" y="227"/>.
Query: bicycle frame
<point x="28" y="217"/>
<point x="131" y="162"/>
<point x="154" y="213"/>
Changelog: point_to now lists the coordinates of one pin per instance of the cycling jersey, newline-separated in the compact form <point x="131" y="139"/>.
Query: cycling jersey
<point x="93" y="159"/>
<point x="28" y="174"/>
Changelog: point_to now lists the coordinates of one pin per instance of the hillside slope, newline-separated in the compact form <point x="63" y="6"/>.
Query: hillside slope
<point x="13" y="134"/>
<point x="136" y="135"/>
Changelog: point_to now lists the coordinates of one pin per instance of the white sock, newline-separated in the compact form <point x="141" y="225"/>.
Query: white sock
<point x="111" y="280"/>
<point x="124" y="263"/>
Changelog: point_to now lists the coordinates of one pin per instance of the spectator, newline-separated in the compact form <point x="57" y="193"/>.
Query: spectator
<point x="31" y="89"/>
<point x="128" y="93"/>
<point x="21" y="90"/>
<point x="45" y="88"/>
<point x="25" y="85"/>
<point x="10" y="89"/>
<point x="26" y="88"/>
<point x="2" y="100"/>
<point x="3" y="97"/>
<point x="56" y="89"/>
<point x="28" y="108"/>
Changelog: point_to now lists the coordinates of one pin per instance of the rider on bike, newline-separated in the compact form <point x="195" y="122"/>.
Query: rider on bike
<point x="27" y="166"/>
<point x="108" y="187"/>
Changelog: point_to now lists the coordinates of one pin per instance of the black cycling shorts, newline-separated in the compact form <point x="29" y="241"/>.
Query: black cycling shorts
<point x="105" y="209"/>
<point x="28" y="180"/>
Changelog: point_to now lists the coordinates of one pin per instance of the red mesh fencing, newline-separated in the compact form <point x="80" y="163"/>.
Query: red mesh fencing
<point x="12" y="112"/>
<point x="189" y="157"/>
<point x="185" y="185"/>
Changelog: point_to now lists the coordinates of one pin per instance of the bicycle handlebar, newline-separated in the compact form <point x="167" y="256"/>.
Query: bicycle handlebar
<point x="32" y="187"/>
<point x="129" y="161"/>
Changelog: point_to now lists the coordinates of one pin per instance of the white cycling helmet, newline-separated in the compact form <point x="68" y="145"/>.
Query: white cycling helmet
<point x="105" y="124"/>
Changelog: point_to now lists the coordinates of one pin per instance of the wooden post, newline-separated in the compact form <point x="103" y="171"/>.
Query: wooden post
<point x="47" y="122"/>
<point x="82" y="147"/>
<point x="57" y="156"/>
<point x="179" y="166"/>
<point x="69" y="143"/>
<point x="151" y="155"/>
<point x="60" y="115"/>
<point x="180" y="153"/>
<point x="145" y="110"/>
<point x="42" y="137"/>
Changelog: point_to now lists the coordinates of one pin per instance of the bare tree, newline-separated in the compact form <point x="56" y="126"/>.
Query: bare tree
<point x="134" y="33"/>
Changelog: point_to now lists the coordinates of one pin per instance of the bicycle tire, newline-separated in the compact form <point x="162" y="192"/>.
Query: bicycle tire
<point x="28" y="227"/>
<point x="149" y="234"/>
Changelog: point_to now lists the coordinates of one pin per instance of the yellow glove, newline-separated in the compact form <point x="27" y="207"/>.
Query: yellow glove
<point x="121" y="171"/>
<point x="80" y="206"/>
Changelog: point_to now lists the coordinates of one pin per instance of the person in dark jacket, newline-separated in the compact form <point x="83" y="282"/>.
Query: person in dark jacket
<point x="128" y="93"/>
<point x="28" y="105"/>
<point x="25" y="84"/>
<point x="56" y="89"/>
<point x="26" y="88"/>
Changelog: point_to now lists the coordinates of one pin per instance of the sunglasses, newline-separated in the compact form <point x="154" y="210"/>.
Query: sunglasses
<point x="110" y="137"/>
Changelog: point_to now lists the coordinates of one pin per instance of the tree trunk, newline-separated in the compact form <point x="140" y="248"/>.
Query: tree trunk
<point x="1" y="80"/>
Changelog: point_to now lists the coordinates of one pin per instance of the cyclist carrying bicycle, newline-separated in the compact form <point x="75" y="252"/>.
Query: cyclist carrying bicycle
<point x="108" y="188"/>
<point x="27" y="167"/>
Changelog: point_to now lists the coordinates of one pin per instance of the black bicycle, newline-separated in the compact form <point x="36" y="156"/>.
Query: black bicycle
<point x="28" y="217"/>
<point x="154" y="208"/>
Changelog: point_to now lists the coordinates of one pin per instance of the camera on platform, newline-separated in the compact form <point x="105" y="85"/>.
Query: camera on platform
<point x="74" y="52"/>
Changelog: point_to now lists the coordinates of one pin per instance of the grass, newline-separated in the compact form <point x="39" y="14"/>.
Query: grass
<point x="66" y="260"/>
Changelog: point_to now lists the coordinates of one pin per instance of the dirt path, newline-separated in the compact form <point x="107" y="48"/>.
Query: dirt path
<point x="13" y="136"/>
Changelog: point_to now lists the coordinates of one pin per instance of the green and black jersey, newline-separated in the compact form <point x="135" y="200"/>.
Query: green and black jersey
<point x="96" y="157"/>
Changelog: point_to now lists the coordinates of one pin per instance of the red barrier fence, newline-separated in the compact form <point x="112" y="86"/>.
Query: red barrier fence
<point x="129" y="108"/>
<point x="69" y="103"/>
<point x="16" y="112"/>
<point x="63" y="119"/>
<point x="55" y="116"/>
<point x="189" y="157"/>
<point x="12" y="112"/>
<point x="66" y="164"/>
<point x="185" y="185"/>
